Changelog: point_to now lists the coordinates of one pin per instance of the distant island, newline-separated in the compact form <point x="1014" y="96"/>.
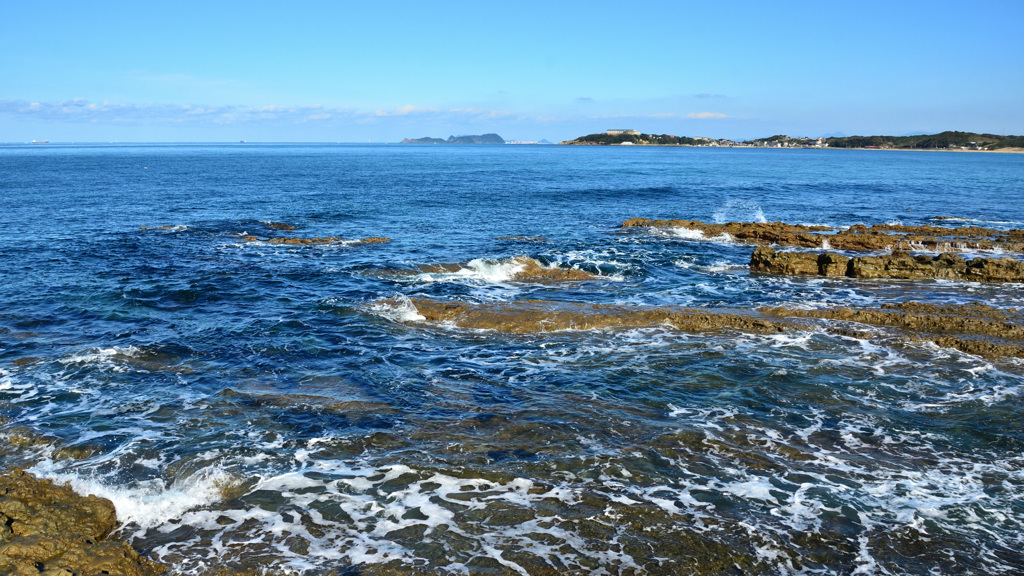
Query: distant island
<point x="950" y="140"/>
<point x="480" y="139"/>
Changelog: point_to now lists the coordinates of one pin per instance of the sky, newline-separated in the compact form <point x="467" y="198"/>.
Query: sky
<point x="334" y="71"/>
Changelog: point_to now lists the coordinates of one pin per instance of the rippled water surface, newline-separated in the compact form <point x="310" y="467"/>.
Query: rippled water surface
<point x="248" y="404"/>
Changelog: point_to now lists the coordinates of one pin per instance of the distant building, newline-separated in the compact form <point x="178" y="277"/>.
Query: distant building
<point x="619" y="131"/>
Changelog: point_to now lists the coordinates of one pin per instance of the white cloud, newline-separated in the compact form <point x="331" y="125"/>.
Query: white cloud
<point x="404" y="111"/>
<point x="706" y="115"/>
<point x="80" y="110"/>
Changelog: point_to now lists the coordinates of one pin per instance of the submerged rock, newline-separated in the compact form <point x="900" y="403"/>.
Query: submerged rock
<point x="318" y="240"/>
<point x="534" y="316"/>
<point x="896" y="266"/>
<point x="523" y="238"/>
<point x="854" y="238"/>
<point x="279" y="226"/>
<point x="49" y="529"/>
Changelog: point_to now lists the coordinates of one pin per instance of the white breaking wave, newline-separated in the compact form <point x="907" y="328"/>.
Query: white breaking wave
<point x="748" y="210"/>
<point x="491" y="270"/>
<point x="399" y="309"/>
<point x="103" y="355"/>
<point x="698" y="235"/>
<point x="148" y="503"/>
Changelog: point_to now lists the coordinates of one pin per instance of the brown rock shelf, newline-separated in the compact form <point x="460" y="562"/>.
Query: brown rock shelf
<point x="49" y="529"/>
<point x="855" y="238"/>
<point x="897" y="265"/>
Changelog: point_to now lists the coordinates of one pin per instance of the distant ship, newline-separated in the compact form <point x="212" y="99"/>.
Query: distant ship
<point x="40" y="141"/>
<point x="241" y="141"/>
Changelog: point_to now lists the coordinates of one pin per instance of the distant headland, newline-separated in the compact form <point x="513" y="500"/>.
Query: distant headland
<point x="950" y="140"/>
<point x="476" y="139"/>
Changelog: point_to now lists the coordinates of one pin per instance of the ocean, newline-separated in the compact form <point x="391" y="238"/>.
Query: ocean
<point x="260" y="405"/>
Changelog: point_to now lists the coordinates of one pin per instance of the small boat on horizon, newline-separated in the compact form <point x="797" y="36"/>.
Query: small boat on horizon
<point x="40" y="141"/>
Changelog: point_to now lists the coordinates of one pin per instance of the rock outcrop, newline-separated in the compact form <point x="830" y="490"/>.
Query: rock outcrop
<point x="534" y="316"/>
<point x="854" y="238"/>
<point x="50" y="530"/>
<point x="765" y="259"/>
<point x="897" y="265"/>
<point x="972" y="328"/>
<point x="529" y="270"/>
<point x="279" y="226"/>
<point x="534" y="271"/>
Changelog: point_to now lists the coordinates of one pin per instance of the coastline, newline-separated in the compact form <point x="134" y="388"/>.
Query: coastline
<point x="999" y="151"/>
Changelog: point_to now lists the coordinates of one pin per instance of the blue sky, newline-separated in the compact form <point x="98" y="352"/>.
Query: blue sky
<point x="339" y="71"/>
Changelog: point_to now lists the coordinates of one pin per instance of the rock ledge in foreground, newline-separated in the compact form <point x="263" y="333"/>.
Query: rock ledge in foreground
<point x="51" y="530"/>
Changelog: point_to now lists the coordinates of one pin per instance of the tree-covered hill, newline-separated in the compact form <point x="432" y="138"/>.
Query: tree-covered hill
<point x="930" y="141"/>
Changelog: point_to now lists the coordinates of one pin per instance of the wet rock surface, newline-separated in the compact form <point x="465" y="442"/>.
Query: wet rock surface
<point x="854" y="238"/>
<point x="533" y="270"/>
<point x="49" y="529"/>
<point x="532" y="316"/>
<point x="527" y="269"/>
<point x="972" y="328"/>
<point x="765" y="259"/>
<point x="897" y="266"/>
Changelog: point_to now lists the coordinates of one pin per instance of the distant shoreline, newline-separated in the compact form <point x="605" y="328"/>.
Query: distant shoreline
<point x="950" y="140"/>
<point x="997" y="151"/>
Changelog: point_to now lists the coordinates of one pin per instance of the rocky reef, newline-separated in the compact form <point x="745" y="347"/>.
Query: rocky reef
<point x="973" y="328"/>
<point x="534" y="316"/>
<point x="527" y="269"/>
<point x="51" y="530"/>
<point x="855" y="238"/>
<point x="533" y="271"/>
<point x="897" y="265"/>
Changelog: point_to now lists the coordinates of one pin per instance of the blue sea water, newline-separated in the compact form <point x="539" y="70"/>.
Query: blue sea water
<point x="257" y="405"/>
